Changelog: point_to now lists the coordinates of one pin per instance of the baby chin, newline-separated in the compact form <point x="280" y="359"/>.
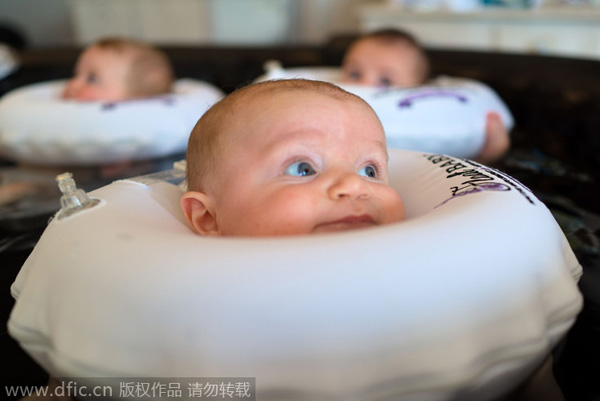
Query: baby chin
<point x="347" y="223"/>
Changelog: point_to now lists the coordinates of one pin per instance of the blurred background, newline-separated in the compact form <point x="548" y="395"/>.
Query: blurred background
<point x="554" y="27"/>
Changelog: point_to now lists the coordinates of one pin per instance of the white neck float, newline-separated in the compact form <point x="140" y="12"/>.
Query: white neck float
<point x="462" y="300"/>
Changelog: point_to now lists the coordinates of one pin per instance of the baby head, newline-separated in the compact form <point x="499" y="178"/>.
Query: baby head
<point x="115" y="69"/>
<point x="388" y="57"/>
<point x="288" y="157"/>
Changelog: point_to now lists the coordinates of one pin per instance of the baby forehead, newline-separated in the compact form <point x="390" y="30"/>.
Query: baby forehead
<point x="305" y="108"/>
<point x="308" y="110"/>
<point x="276" y="101"/>
<point x="108" y="56"/>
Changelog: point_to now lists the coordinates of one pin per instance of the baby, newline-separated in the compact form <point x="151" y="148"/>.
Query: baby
<point x="386" y="58"/>
<point x="288" y="157"/>
<point x="112" y="69"/>
<point x="115" y="69"/>
<point x="392" y="57"/>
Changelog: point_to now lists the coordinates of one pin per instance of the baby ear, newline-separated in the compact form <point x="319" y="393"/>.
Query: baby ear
<point x="199" y="212"/>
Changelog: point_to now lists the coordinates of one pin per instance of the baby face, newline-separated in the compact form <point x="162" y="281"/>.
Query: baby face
<point x="100" y="75"/>
<point x="373" y="62"/>
<point x="304" y="162"/>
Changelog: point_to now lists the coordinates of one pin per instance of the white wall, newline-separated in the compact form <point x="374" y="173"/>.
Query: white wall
<point x="49" y="22"/>
<point x="320" y="19"/>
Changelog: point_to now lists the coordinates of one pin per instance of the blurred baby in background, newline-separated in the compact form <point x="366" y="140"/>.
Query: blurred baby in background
<point x="395" y="58"/>
<point x="115" y="69"/>
<point x="386" y="58"/>
<point x="110" y="70"/>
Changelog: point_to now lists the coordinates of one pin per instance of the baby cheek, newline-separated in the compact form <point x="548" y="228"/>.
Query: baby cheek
<point x="69" y="90"/>
<point x="281" y="213"/>
<point x="87" y="94"/>
<point x="295" y="211"/>
<point x="393" y="207"/>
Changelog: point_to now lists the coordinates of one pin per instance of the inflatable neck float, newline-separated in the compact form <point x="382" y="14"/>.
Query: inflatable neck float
<point x="38" y="127"/>
<point x="446" y="115"/>
<point x="462" y="301"/>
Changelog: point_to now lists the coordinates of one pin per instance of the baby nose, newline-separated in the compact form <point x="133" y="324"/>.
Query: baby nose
<point x="350" y="186"/>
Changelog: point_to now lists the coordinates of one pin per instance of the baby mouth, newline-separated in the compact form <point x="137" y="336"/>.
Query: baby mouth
<point x="347" y="223"/>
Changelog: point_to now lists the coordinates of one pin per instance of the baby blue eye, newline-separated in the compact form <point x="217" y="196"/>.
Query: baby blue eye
<point x="368" y="171"/>
<point x="92" y="79"/>
<point x="354" y="75"/>
<point x="300" y="169"/>
<point x="385" y="82"/>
